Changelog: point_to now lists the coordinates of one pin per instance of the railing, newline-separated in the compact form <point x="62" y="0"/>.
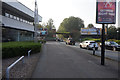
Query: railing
<point x="8" y="69"/>
<point x="29" y="53"/>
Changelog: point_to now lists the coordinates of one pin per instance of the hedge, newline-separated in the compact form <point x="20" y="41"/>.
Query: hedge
<point x="13" y="49"/>
<point x="84" y="39"/>
<point x="117" y="41"/>
<point x="99" y="40"/>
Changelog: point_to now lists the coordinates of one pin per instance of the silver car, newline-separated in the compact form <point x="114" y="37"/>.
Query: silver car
<point x="89" y="45"/>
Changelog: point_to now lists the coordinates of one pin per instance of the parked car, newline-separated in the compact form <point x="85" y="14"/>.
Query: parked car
<point x="60" y="40"/>
<point x="112" y="45"/>
<point x="70" y="41"/>
<point x="89" y="45"/>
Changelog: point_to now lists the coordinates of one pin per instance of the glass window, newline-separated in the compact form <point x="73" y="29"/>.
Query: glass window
<point x="15" y="17"/>
<point x="18" y="18"/>
<point x="25" y="21"/>
<point x="11" y="16"/>
<point x="21" y="19"/>
<point x="92" y="42"/>
<point x="7" y="15"/>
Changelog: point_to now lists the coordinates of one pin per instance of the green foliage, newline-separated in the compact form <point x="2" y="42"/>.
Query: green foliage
<point x="92" y="39"/>
<point x="72" y="25"/>
<point x="90" y="26"/>
<point x="42" y="41"/>
<point x="13" y="49"/>
<point x="84" y="39"/>
<point x="99" y="40"/>
<point x="112" y="32"/>
<point x="50" y="26"/>
<point x="117" y="41"/>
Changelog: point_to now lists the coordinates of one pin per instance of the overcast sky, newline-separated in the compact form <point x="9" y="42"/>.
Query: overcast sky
<point x="60" y="9"/>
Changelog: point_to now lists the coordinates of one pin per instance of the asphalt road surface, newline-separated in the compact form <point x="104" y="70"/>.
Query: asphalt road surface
<point x="108" y="53"/>
<point x="58" y="60"/>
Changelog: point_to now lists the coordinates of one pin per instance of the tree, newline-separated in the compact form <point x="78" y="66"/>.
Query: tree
<point x="90" y="26"/>
<point x="50" y="25"/>
<point x="112" y="32"/>
<point x="39" y="26"/>
<point x="72" y="25"/>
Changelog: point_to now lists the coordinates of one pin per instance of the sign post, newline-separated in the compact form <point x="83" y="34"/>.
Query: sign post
<point x="103" y="45"/>
<point x="105" y="14"/>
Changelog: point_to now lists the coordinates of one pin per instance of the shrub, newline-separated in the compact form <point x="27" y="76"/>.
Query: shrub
<point x="13" y="49"/>
<point x="117" y="41"/>
<point x="92" y="39"/>
<point x="42" y="41"/>
<point x="84" y="39"/>
<point x="96" y="40"/>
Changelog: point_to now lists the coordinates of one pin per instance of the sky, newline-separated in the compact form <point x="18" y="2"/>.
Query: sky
<point x="58" y="10"/>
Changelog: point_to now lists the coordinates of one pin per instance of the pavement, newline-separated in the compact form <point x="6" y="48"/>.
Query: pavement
<point x="63" y="61"/>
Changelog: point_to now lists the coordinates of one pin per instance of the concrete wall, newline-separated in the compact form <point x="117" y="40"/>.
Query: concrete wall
<point x="17" y="24"/>
<point x="21" y="7"/>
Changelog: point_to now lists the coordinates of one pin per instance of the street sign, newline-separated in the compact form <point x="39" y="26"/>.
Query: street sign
<point x="92" y="31"/>
<point x="106" y="12"/>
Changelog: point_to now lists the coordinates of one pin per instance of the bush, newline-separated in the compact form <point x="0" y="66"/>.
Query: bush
<point x="13" y="49"/>
<point x="42" y="41"/>
<point x="84" y="39"/>
<point x="117" y="41"/>
<point x="96" y="40"/>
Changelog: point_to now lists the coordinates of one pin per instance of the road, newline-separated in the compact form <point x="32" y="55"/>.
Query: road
<point x="108" y="53"/>
<point x="58" y="60"/>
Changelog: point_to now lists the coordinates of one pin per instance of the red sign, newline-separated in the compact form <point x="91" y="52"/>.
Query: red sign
<point x="106" y="11"/>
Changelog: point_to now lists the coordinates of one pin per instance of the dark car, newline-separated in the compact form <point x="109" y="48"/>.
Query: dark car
<point x="112" y="46"/>
<point x="70" y="41"/>
<point x="60" y="40"/>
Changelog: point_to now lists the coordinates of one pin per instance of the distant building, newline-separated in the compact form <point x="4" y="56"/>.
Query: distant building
<point x="119" y="14"/>
<point x="17" y="22"/>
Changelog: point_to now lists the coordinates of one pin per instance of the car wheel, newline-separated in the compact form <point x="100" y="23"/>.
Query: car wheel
<point x="80" y="46"/>
<point x="114" y="49"/>
<point x="87" y="48"/>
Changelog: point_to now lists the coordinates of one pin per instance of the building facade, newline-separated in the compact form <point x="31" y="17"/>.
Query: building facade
<point x="17" y="22"/>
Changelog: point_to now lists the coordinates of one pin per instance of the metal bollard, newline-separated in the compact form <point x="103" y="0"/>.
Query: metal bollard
<point x="94" y="50"/>
<point x="29" y="53"/>
<point x="8" y="69"/>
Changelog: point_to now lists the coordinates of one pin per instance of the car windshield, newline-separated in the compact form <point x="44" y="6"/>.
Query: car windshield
<point x="113" y="43"/>
<point x="92" y="42"/>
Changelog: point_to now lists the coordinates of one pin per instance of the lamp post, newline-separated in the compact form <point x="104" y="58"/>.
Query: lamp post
<point x="36" y="22"/>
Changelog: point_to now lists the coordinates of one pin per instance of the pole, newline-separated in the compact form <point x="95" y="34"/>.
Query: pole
<point x="36" y="22"/>
<point x="107" y="32"/>
<point x="103" y="45"/>
<point x="94" y="49"/>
